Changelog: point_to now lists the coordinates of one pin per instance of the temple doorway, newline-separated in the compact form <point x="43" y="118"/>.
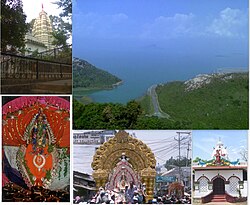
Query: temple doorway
<point x="219" y="186"/>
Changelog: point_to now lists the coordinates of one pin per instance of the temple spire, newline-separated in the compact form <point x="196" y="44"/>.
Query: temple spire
<point x="42" y="6"/>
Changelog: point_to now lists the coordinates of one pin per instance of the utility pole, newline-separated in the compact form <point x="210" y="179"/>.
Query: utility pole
<point x="179" y="139"/>
<point x="188" y="149"/>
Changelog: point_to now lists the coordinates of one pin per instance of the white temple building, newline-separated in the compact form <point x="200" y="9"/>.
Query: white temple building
<point x="219" y="179"/>
<point x="40" y="38"/>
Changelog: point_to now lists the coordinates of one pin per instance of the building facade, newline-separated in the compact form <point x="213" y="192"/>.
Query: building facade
<point x="219" y="179"/>
<point x="33" y="44"/>
<point x="40" y="38"/>
<point x="92" y="137"/>
<point x="42" y="29"/>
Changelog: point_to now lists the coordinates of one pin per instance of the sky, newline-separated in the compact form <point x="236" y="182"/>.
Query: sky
<point x="162" y="143"/>
<point x="204" y="141"/>
<point x="32" y="8"/>
<point x="106" y="30"/>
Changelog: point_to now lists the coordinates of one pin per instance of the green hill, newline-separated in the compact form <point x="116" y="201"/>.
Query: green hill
<point x="218" y="101"/>
<point x="88" y="77"/>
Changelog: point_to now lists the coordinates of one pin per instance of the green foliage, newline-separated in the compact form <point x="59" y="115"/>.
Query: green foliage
<point x="48" y="175"/>
<point x="20" y="155"/>
<point x="34" y="53"/>
<point x="62" y="28"/>
<point x="118" y="116"/>
<point x="30" y="25"/>
<point x="13" y="26"/>
<point x="197" y="159"/>
<point x="60" y="38"/>
<point x="66" y="6"/>
<point x="221" y="104"/>
<point x="88" y="76"/>
<point x="65" y="171"/>
<point x="50" y="148"/>
<point x="61" y="31"/>
<point x="153" y="123"/>
<point x="106" y="115"/>
<point x="63" y="162"/>
<point x="146" y="104"/>
<point x="175" y="162"/>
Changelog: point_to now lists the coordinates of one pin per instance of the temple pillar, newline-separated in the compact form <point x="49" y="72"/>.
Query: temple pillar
<point x="101" y="177"/>
<point x="148" y="177"/>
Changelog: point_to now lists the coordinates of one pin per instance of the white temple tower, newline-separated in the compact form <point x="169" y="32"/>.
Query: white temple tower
<point x="42" y="29"/>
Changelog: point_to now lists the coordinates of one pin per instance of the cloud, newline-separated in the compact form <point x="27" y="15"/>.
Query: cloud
<point x="169" y="27"/>
<point x="94" y="24"/>
<point x="230" y="23"/>
<point x="227" y="23"/>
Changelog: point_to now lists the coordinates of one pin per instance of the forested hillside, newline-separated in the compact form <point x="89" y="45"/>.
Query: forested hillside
<point x="88" y="76"/>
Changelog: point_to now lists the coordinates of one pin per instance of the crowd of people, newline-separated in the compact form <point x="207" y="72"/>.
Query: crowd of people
<point x="130" y="195"/>
<point x="14" y="193"/>
<point x="173" y="199"/>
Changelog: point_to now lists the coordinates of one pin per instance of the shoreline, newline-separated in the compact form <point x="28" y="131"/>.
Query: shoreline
<point x="79" y="92"/>
<point x="79" y="89"/>
<point x="117" y="84"/>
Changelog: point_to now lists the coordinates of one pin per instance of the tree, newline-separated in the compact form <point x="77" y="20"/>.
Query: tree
<point x="244" y="154"/>
<point x="170" y="163"/>
<point x="61" y="31"/>
<point x="62" y="25"/>
<point x="13" y="26"/>
<point x="133" y="111"/>
<point x="66" y="6"/>
<point x="31" y="24"/>
<point x="60" y="38"/>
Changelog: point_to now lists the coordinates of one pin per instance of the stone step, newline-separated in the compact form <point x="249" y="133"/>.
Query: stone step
<point x="219" y="198"/>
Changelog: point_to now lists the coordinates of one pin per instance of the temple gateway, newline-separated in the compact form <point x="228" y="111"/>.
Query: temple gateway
<point x="219" y="179"/>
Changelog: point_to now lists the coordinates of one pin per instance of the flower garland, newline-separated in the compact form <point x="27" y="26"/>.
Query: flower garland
<point x="63" y="160"/>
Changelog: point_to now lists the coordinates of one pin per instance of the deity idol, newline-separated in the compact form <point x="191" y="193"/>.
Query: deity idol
<point x="39" y="154"/>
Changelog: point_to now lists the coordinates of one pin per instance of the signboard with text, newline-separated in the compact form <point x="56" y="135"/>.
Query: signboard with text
<point x="159" y="179"/>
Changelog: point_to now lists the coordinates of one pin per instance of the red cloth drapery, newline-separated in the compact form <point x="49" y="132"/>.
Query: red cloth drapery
<point x="18" y="113"/>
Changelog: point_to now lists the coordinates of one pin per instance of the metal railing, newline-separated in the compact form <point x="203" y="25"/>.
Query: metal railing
<point x="58" y="54"/>
<point x="22" y="67"/>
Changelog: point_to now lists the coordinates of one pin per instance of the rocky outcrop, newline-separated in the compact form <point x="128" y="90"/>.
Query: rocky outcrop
<point x="203" y="79"/>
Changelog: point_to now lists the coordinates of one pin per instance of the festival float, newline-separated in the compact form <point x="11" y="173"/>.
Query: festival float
<point x="124" y="160"/>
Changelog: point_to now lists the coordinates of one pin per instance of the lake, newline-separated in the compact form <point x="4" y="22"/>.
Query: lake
<point x="141" y="66"/>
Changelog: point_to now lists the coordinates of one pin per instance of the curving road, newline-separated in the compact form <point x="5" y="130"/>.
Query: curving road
<point x="157" y="109"/>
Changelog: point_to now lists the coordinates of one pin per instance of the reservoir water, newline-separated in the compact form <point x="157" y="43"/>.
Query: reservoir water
<point x="142" y="66"/>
